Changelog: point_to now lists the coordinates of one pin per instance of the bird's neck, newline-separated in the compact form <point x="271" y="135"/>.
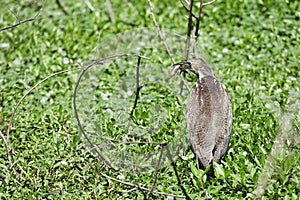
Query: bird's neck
<point x="205" y="72"/>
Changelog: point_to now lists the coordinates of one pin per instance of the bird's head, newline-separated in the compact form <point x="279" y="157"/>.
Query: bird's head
<point x="195" y="65"/>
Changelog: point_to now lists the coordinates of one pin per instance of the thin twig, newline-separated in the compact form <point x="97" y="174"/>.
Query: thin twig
<point x="110" y="11"/>
<point x="159" y="32"/>
<point x="16" y="16"/>
<point x="141" y="187"/>
<point x="38" y="13"/>
<point x="89" y="5"/>
<point x="208" y="3"/>
<point x="176" y="173"/>
<point x="131" y="190"/>
<point x="8" y="149"/>
<point x="187" y="9"/>
<point x="183" y="83"/>
<point x="137" y="86"/>
<point x="156" y="168"/>
<point x="201" y="6"/>
<point x="187" y="44"/>
<point x="61" y="7"/>
<point x="19" y="23"/>
<point x="194" y="46"/>
<point x="164" y="42"/>
<point x="198" y="20"/>
<point x="189" y="30"/>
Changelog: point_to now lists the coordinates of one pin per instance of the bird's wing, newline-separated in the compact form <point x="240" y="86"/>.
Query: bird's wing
<point x="224" y="123"/>
<point x="208" y="119"/>
<point x="199" y="116"/>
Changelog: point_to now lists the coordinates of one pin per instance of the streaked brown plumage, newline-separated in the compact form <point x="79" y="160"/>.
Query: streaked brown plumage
<point x="209" y="115"/>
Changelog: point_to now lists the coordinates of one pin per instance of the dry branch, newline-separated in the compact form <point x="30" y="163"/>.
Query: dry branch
<point x="176" y="173"/>
<point x="183" y="82"/>
<point x="19" y="23"/>
<point x="186" y="8"/>
<point x="208" y="3"/>
<point x="61" y="7"/>
<point x="157" y="167"/>
<point x="159" y="32"/>
<point x="198" y="18"/>
<point x="189" y="30"/>
<point x="110" y="11"/>
<point x="9" y="150"/>
<point x="138" y="87"/>
<point x="89" y="5"/>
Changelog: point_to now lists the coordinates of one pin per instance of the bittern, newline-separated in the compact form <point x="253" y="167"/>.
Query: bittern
<point x="209" y="114"/>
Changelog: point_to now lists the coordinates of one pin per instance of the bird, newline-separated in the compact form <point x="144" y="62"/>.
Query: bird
<point x="209" y="112"/>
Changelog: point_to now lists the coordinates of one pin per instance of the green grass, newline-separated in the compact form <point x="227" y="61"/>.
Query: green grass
<point x="253" y="47"/>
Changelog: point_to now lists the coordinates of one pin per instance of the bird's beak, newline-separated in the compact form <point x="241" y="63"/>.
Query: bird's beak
<point x="177" y="66"/>
<point x="173" y="72"/>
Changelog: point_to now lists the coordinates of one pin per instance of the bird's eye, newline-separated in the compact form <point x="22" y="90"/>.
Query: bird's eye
<point x="187" y="65"/>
